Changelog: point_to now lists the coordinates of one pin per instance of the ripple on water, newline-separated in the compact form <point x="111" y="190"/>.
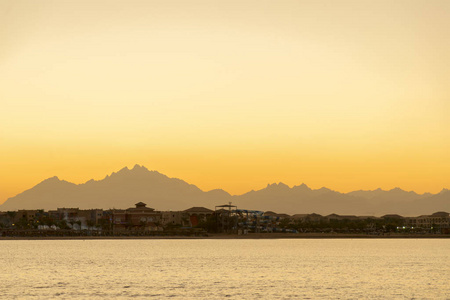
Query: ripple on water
<point x="232" y="269"/>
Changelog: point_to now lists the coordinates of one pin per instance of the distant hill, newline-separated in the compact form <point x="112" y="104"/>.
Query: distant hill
<point x="302" y="199"/>
<point x="126" y="187"/>
<point x="118" y="190"/>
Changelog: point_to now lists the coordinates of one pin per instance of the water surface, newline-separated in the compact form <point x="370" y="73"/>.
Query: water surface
<point x="235" y="269"/>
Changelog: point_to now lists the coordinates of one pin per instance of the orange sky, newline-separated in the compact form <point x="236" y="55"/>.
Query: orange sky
<point x="227" y="94"/>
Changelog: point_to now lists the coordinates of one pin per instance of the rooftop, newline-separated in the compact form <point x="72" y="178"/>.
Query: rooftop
<point x="198" y="209"/>
<point x="440" y="214"/>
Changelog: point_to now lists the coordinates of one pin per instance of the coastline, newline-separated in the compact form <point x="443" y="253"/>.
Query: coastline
<point x="241" y="237"/>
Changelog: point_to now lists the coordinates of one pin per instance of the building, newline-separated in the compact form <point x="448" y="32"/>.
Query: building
<point x="89" y="217"/>
<point x="5" y="219"/>
<point x="438" y="219"/>
<point x="66" y="214"/>
<point x="392" y="217"/>
<point x="313" y="218"/>
<point x="26" y="215"/>
<point x="276" y="215"/>
<point x="174" y="218"/>
<point x="196" y="215"/>
<point x="139" y="218"/>
<point x="341" y="217"/>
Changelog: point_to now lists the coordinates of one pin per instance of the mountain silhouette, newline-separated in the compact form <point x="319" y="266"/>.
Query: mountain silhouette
<point x="124" y="188"/>
<point x="118" y="190"/>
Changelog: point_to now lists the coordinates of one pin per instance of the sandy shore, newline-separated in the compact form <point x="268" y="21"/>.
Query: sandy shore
<point x="248" y="236"/>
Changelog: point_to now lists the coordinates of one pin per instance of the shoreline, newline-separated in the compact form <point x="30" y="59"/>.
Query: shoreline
<point x="240" y="237"/>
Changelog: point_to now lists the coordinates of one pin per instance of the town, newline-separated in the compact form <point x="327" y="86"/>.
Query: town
<point x="200" y="221"/>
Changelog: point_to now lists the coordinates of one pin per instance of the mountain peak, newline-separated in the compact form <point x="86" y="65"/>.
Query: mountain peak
<point x="51" y="179"/>
<point x="277" y="186"/>
<point x="139" y="167"/>
<point x="444" y="190"/>
<point x="302" y="187"/>
<point x="124" y="169"/>
<point x="396" y="189"/>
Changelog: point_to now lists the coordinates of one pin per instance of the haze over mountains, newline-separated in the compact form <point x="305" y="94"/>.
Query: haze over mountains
<point x="126" y="187"/>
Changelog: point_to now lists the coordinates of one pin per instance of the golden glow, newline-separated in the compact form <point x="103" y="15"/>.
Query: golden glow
<point x="227" y="94"/>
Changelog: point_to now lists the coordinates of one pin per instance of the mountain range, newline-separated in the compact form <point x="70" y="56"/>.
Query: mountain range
<point x="124" y="188"/>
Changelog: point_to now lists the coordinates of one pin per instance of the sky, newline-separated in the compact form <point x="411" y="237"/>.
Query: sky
<point x="227" y="94"/>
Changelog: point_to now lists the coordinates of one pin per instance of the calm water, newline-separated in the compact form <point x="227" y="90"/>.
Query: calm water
<point x="236" y="269"/>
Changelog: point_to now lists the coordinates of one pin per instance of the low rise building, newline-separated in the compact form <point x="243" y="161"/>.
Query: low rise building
<point x="197" y="215"/>
<point x="438" y="219"/>
<point x="90" y="216"/>
<point x="63" y="213"/>
<point x="24" y="214"/>
<point x="174" y="218"/>
<point x="137" y="218"/>
<point x="392" y="217"/>
<point x="5" y="219"/>
<point x="314" y="218"/>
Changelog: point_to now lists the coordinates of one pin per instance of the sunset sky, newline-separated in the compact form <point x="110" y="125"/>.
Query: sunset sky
<point x="227" y="94"/>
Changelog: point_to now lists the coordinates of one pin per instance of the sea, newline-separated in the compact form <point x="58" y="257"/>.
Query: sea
<point x="225" y="269"/>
